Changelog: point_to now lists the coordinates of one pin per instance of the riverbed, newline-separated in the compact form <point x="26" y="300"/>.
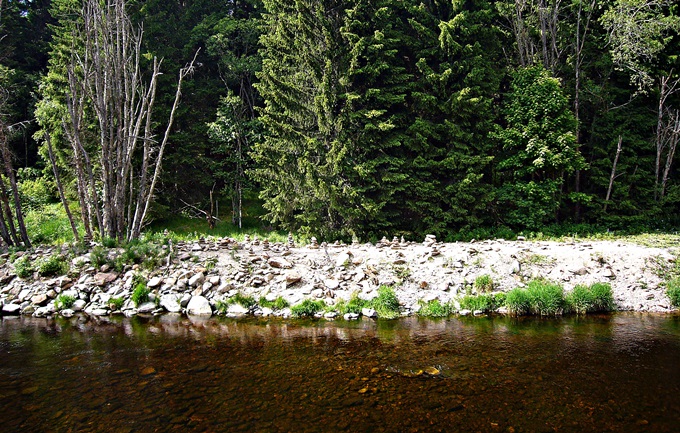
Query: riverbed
<point x="618" y="372"/>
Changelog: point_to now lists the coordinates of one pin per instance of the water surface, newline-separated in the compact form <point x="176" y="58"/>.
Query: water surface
<point x="600" y="373"/>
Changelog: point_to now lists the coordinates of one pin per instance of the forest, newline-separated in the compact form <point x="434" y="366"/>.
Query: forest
<point x="339" y="118"/>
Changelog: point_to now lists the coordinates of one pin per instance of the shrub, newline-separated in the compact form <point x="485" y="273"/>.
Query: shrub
<point x="278" y="304"/>
<point x="99" y="256"/>
<point x="603" y="297"/>
<point x="434" y="308"/>
<point x="116" y="303"/>
<point x="673" y="291"/>
<point x="479" y="303"/>
<point x="483" y="284"/>
<point x="386" y="303"/>
<point x="546" y="298"/>
<point x="307" y="308"/>
<point x="23" y="267"/>
<point x="518" y="302"/>
<point x="354" y="305"/>
<point x="597" y="297"/>
<point x="140" y="294"/>
<point x="580" y="300"/>
<point x="64" y="302"/>
<point x="52" y="265"/>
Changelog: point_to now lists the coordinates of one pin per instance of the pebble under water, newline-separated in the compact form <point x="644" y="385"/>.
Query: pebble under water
<point x="617" y="372"/>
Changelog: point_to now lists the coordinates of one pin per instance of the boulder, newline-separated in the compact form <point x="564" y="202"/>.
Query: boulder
<point x="171" y="302"/>
<point x="103" y="278"/>
<point x="369" y="312"/>
<point x="153" y="283"/>
<point x="197" y="280"/>
<point x="39" y="300"/>
<point x="279" y="263"/>
<point x="146" y="308"/>
<point x="199" y="306"/>
<point x="11" y="309"/>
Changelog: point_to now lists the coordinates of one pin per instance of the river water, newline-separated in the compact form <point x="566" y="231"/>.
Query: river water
<point x="616" y="372"/>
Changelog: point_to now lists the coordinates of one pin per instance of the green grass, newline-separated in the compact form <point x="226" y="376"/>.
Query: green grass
<point x="673" y="291"/>
<point x="435" y="308"/>
<point x="52" y="265"/>
<point x="546" y="298"/>
<point x="116" y="303"/>
<point x="140" y="294"/>
<point x="483" y="284"/>
<point x="64" y="302"/>
<point x="486" y="302"/>
<point x="518" y="302"/>
<point x="239" y="298"/>
<point x="307" y="308"/>
<point x="184" y="228"/>
<point x="278" y="304"/>
<point x="386" y="303"/>
<point x="23" y="267"/>
<point x="48" y="224"/>
<point x="353" y="305"/>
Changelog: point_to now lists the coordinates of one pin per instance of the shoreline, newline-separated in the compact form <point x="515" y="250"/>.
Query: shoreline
<point x="195" y="277"/>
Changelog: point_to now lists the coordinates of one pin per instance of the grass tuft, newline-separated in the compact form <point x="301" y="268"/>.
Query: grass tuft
<point x="435" y="308"/>
<point x="483" y="284"/>
<point x="545" y="298"/>
<point x="64" y="302"/>
<point x="278" y="304"/>
<point x="673" y="291"/>
<point x="386" y="303"/>
<point x="307" y="308"/>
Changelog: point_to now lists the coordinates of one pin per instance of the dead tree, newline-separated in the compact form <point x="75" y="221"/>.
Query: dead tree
<point x="106" y="80"/>
<point x="666" y="134"/>
<point x="613" y="175"/>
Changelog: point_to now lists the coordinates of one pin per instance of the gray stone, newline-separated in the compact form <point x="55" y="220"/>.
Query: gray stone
<point x="237" y="310"/>
<point x="369" y="312"/>
<point x="292" y="277"/>
<point x="11" y="309"/>
<point x="146" y="308"/>
<point x="78" y="305"/>
<point x="330" y="315"/>
<point x="103" y="278"/>
<point x="99" y="312"/>
<point x="351" y="316"/>
<point x="344" y="259"/>
<point x="199" y="306"/>
<point x="279" y="262"/>
<point x="67" y="312"/>
<point x="184" y="302"/>
<point x="39" y="299"/>
<point x="171" y="302"/>
<point x="196" y="280"/>
<point x="465" y="312"/>
<point x="331" y="283"/>
<point x="153" y="282"/>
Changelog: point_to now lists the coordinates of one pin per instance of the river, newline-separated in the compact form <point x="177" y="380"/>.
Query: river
<point x="599" y="373"/>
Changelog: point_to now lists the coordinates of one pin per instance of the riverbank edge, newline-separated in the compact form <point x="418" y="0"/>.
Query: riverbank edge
<point x="197" y="276"/>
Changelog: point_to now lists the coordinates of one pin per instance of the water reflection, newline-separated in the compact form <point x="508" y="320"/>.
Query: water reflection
<point x="169" y="373"/>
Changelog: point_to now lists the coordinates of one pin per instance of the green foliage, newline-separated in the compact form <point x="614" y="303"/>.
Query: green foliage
<point x="245" y="301"/>
<point x="354" y="305"/>
<point x="539" y="146"/>
<point x="48" y="224"/>
<point x="278" y="304"/>
<point x="597" y="297"/>
<point x="545" y="298"/>
<point x="116" y="303"/>
<point x="99" y="256"/>
<point x="483" y="284"/>
<point x="141" y="292"/>
<point x="386" y="304"/>
<point x="603" y="297"/>
<point x="435" y="308"/>
<point x="64" y="302"/>
<point x="52" y="265"/>
<point x="485" y="303"/>
<point x="518" y="301"/>
<point x="147" y="254"/>
<point x="307" y="308"/>
<point x="673" y="291"/>
<point x="23" y="267"/>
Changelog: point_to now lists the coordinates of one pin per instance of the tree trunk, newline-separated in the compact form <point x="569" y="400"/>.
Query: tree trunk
<point x="613" y="175"/>
<point x="9" y="171"/>
<point x="60" y="188"/>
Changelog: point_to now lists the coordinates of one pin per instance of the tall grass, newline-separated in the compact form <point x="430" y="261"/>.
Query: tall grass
<point x="673" y="291"/>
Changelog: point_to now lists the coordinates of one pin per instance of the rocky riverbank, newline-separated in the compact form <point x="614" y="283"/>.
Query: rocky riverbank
<point x="196" y="276"/>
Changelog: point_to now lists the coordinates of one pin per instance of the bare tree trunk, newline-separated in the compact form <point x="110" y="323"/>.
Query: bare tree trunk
<point x="668" y="87"/>
<point x="9" y="171"/>
<point x="673" y="136"/>
<point x="613" y="175"/>
<point x="7" y="211"/>
<point x="60" y="188"/>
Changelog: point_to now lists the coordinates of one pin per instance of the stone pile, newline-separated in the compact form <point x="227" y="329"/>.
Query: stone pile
<point x="203" y="273"/>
